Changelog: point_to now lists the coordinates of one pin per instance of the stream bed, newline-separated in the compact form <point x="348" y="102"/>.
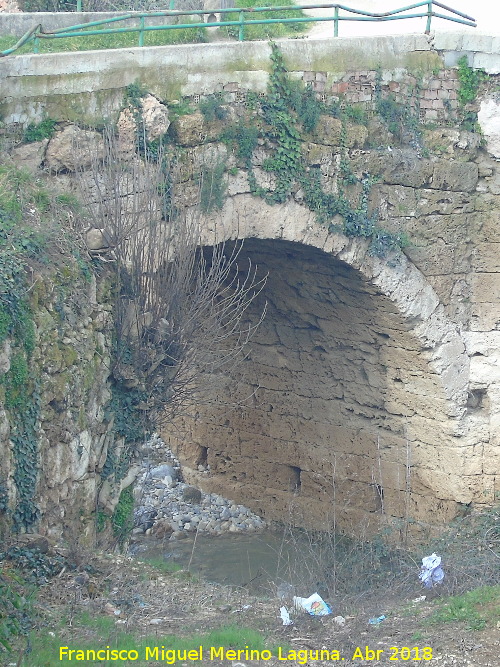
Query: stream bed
<point x="264" y="563"/>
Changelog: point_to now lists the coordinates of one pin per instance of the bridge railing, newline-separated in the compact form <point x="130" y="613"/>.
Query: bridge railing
<point x="425" y="9"/>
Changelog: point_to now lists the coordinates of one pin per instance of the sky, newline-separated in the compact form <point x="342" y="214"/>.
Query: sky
<point x="486" y="13"/>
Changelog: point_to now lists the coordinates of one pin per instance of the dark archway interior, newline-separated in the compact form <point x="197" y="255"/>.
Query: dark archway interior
<point x="336" y="408"/>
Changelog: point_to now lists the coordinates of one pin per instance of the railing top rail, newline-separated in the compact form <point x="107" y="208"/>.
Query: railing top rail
<point x="82" y="29"/>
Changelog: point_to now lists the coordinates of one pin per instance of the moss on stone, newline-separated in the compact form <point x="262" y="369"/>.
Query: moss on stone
<point x="69" y="355"/>
<point x="420" y="62"/>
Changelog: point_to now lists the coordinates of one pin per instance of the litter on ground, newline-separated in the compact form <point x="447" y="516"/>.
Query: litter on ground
<point x="431" y="572"/>
<point x="314" y="605"/>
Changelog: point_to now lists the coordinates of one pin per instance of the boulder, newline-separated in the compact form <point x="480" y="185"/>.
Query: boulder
<point x="162" y="471"/>
<point x="457" y="176"/>
<point x="126" y="133"/>
<point x="193" y="129"/>
<point x="328" y="131"/>
<point x="162" y="529"/>
<point x="191" y="495"/>
<point x="97" y="239"/>
<point x="30" y="156"/>
<point x="34" y="541"/>
<point x="155" y="117"/>
<point x="74" y="148"/>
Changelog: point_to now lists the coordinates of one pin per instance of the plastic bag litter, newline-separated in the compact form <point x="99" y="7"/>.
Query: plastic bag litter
<point x="314" y="605"/>
<point x="285" y="616"/>
<point x="431" y="572"/>
<point x="377" y="620"/>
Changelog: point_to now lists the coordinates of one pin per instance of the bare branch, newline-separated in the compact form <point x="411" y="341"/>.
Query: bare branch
<point x="181" y="308"/>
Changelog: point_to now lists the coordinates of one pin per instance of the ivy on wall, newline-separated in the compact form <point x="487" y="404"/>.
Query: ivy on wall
<point x="20" y="387"/>
<point x="289" y="112"/>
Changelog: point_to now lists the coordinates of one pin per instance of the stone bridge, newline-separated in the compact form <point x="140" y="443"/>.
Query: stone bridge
<point x="372" y="388"/>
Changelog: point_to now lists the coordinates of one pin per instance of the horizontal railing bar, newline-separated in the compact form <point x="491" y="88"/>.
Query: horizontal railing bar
<point x="253" y="10"/>
<point x="309" y="19"/>
<point x="455" y="11"/>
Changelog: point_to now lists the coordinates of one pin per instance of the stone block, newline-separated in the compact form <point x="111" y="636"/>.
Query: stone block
<point x="458" y="176"/>
<point x="397" y="167"/>
<point x="193" y="129"/>
<point x="328" y="131"/>
<point x="317" y="154"/>
<point x="73" y="148"/>
<point x="438" y="258"/>
<point x="486" y="288"/>
<point x="430" y="202"/>
<point x="485" y="370"/>
<point x="486" y="258"/>
<point x="30" y="156"/>
<point x="431" y="510"/>
<point x="491" y="457"/>
<point x="355" y="135"/>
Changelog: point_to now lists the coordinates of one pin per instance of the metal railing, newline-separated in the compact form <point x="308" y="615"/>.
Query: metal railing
<point x="37" y="33"/>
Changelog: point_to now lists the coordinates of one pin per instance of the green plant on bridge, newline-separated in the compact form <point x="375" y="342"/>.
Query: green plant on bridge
<point x="211" y="107"/>
<point x="470" y="79"/>
<point x="213" y="188"/>
<point x="38" y="131"/>
<point x="289" y="112"/>
<point x="400" y="119"/>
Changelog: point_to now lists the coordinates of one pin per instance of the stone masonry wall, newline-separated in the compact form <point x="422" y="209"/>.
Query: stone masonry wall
<point x="70" y="362"/>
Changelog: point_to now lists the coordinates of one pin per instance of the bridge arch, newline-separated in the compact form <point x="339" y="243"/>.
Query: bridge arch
<point x="354" y="390"/>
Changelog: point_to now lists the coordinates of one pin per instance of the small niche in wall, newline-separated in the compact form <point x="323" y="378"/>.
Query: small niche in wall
<point x="295" y="479"/>
<point x="475" y="399"/>
<point x="202" y="457"/>
<point x="379" y="498"/>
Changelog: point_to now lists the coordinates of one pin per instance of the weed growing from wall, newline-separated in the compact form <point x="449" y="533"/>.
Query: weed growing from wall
<point x="470" y="79"/>
<point x="20" y="388"/>
<point x="20" y="244"/>
<point x="15" y="609"/>
<point x="122" y="520"/>
<point x="211" y="107"/>
<point x="213" y="188"/>
<point x="401" y="119"/>
<point x="39" y="131"/>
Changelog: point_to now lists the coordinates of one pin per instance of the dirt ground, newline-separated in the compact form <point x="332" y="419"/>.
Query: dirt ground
<point x="145" y="601"/>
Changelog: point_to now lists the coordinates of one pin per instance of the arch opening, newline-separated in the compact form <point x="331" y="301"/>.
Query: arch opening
<point x="339" y="416"/>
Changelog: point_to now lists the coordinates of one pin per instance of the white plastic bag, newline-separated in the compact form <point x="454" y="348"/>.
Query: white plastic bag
<point x="431" y="572"/>
<point x="314" y="605"/>
<point x="285" y="616"/>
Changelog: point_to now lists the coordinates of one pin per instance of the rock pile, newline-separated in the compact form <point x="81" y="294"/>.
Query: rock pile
<point x="167" y="507"/>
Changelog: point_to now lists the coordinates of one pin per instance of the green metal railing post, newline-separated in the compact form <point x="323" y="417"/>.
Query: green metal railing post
<point x="36" y="45"/>
<point x="336" y="22"/>
<point x="141" y="31"/>
<point x="79" y="5"/>
<point x="429" y="16"/>
<point x="171" y="4"/>
<point x="241" y="32"/>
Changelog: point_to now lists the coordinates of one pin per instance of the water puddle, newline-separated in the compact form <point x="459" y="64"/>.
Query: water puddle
<point x="262" y="563"/>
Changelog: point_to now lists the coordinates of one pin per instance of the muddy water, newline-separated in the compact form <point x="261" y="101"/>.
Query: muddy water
<point x="261" y="562"/>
